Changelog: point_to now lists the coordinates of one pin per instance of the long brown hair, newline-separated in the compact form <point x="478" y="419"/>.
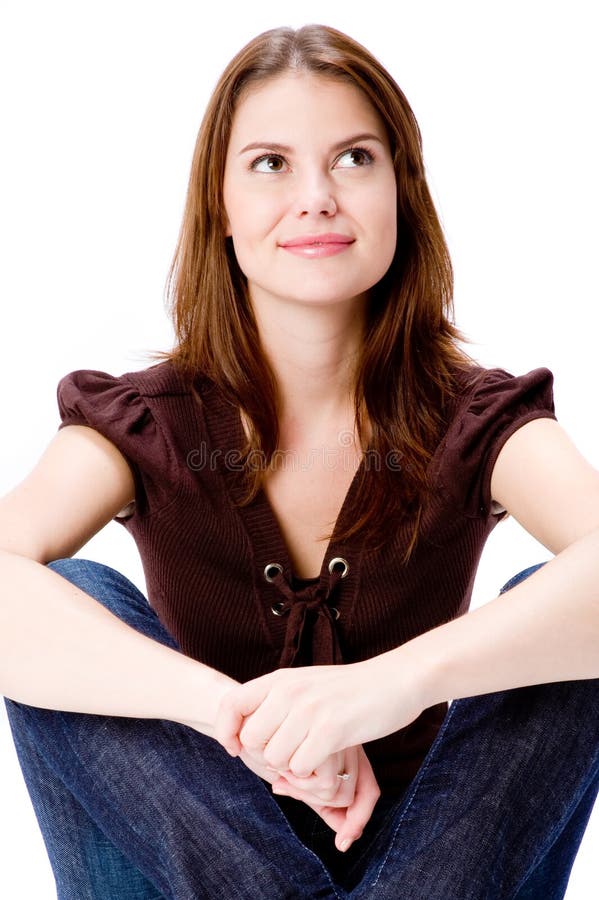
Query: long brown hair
<point x="410" y="357"/>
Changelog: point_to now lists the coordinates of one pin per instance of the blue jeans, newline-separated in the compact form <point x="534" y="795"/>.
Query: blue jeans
<point x="137" y="809"/>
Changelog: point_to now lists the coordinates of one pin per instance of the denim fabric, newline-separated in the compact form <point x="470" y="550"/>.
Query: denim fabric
<point x="134" y="809"/>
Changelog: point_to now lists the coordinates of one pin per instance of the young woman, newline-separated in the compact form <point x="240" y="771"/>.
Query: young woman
<point x="310" y="476"/>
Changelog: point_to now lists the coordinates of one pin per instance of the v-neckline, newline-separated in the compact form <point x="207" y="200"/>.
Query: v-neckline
<point x="262" y="526"/>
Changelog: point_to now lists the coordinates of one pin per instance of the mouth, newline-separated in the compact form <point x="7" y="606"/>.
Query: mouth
<point x="317" y="249"/>
<point x="317" y="240"/>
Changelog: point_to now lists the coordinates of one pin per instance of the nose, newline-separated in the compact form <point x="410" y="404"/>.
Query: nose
<point x="315" y="195"/>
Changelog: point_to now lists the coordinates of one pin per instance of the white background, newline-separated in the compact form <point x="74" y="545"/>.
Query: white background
<point x="100" y="106"/>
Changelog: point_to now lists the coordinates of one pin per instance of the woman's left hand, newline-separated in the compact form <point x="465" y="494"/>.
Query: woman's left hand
<point x="298" y="717"/>
<point x="344" y="805"/>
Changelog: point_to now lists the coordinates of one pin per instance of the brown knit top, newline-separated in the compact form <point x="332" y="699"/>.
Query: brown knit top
<point x="219" y="575"/>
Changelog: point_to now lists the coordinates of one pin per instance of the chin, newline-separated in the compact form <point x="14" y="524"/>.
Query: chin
<point x="324" y="300"/>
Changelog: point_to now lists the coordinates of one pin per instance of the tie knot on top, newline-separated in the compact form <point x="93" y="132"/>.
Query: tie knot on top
<point x="310" y="637"/>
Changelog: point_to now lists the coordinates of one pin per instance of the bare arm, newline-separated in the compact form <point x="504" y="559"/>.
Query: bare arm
<point x="59" y="647"/>
<point x="547" y="627"/>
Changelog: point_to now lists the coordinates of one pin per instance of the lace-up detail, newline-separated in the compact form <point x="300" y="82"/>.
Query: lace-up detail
<point x="311" y="637"/>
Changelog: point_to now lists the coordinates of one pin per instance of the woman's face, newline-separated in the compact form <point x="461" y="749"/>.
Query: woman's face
<point x="309" y="157"/>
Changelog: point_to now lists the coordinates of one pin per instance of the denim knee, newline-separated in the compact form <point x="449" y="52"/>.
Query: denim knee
<point x="116" y="593"/>
<point x="520" y="576"/>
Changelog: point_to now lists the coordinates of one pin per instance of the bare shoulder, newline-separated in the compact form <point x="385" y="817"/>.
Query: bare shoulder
<point x="545" y="482"/>
<point x="78" y="485"/>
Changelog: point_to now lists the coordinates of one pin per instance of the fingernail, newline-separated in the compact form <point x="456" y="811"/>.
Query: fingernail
<point x="278" y="790"/>
<point x="344" y="845"/>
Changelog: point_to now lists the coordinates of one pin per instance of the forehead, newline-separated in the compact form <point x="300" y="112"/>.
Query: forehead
<point x="297" y="102"/>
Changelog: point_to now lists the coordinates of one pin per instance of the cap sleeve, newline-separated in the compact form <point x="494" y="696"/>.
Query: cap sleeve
<point x="496" y="405"/>
<point x="113" y="406"/>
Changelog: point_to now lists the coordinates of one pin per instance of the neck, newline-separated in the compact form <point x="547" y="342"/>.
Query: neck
<point x="313" y="351"/>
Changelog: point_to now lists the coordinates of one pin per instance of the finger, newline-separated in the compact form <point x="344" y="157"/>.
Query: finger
<point x="358" y="814"/>
<point x="327" y="779"/>
<point x="310" y="795"/>
<point x="261" y="725"/>
<point x="272" y="725"/>
<point x="322" y="788"/>
<point x="331" y="816"/>
<point x="317" y="745"/>
<point x="324" y="774"/>
<point x="334" y="793"/>
<point x="288" y="735"/>
<point x="226" y="729"/>
<point x="327" y="784"/>
<point x="350" y="767"/>
<point x="286" y="790"/>
<point x="334" y="818"/>
<point x="238" y="703"/>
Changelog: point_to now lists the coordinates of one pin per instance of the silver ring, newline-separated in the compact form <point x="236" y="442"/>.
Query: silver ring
<point x="344" y="776"/>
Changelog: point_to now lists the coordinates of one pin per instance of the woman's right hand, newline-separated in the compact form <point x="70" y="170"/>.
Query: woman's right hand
<point x="344" y="805"/>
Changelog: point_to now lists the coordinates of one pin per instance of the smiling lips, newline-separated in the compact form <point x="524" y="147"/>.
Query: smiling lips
<point x="318" y="245"/>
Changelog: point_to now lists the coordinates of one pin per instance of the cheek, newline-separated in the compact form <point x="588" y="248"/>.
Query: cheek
<point x="389" y="206"/>
<point x="382" y="218"/>
<point x="252" y="219"/>
<point x="250" y="229"/>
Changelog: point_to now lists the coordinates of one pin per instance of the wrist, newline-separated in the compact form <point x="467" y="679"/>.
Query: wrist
<point x="426" y="668"/>
<point x="414" y="669"/>
<point x="203" y="691"/>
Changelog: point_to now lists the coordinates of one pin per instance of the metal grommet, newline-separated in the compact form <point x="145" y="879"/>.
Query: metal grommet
<point x="278" y="608"/>
<point x="268" y="570"/>
<point x="338" y="561"/>
<point x="335" y="611"/>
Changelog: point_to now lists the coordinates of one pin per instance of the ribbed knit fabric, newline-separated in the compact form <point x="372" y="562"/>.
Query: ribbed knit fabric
<point x="220" y="577"/>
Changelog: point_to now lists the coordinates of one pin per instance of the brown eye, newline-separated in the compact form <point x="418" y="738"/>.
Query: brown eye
<point x="358" y="157"/>
<point x="270" y="163"/>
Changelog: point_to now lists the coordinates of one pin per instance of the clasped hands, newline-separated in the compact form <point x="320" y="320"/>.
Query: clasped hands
<point x="299" y="728"/>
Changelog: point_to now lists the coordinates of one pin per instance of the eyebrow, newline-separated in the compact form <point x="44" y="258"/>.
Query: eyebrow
<point x="284" y="148"/>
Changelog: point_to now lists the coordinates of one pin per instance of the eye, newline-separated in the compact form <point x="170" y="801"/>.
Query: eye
<point x="359" y="156"/>
<point x="270" y="162"/>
